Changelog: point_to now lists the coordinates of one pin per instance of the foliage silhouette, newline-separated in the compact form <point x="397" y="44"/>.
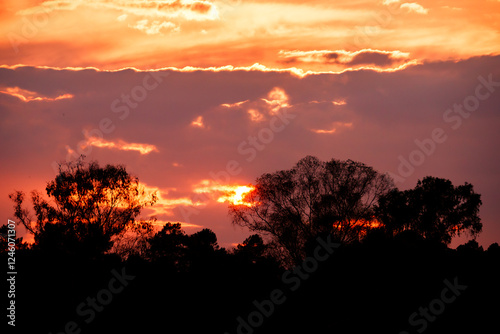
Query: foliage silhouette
<point x="314" y="197"/>
<point x="4" y="239"/>
<point x="90" y="206"/>
<point x="434" y="208"/>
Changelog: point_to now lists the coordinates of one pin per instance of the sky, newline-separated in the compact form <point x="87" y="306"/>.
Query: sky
<point x="197" y="98"/>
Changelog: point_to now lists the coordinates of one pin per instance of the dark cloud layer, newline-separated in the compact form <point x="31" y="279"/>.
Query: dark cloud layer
<point x="388" y="112"/>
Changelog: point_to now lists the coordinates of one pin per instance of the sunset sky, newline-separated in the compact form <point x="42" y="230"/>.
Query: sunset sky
<point x="198" y="97"/>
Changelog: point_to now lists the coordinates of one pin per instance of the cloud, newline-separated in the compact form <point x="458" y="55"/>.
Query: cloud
<point x="29" y="96"/>
<point x="255" y="116"/>
<point x="350" y="59"/>
<point x="294" y="71"/>
<point x="198" y="122"/>
<point x="165" y="204"/>
<point x="414" y="7"/>
<point x="390" y="2"/>
<point x="145" y="36"/>
<point x="322" y="131"/>
<point x="276" y="99"/>
<point x="259" y="109"/>
<point x="138" y="11"/>
<point x="154" y="27"/>
<point x="339" y="102"/>
<point x="389" y="111"/>
<point x="336" y="126"/>
<point x="188" y="9"/>
<point x="409" y="6"/>
<point x="232" y="105"/>
<point x="118" y="145"/>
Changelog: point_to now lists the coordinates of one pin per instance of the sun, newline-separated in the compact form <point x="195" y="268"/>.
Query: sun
<point x="236" y="194"/>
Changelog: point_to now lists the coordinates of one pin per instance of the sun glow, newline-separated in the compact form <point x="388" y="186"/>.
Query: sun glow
<point x="236" y="195"/>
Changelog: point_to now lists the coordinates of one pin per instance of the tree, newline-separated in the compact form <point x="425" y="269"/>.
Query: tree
<point x="4" y="240"/>
<point x="251" y="250"/>
<point x="133" y="240"/>
<point x="176" y="250"/>
<point x="292" y="207"/>
<point x="89" y="205"/>
<point x="168" y="245"/>
<point x="435" y="209"/>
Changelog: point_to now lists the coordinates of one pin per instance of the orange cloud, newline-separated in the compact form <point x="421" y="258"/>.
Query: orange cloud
<point x="119" y="145"/>
<point x="211" y="35"/>
<point x="324" y="131"/>
<point x="379" y="59"/>
<point x="255" y="116"/>
<point x="276" y="99"/>
<point x="336" y="125"/>
<point x="233" y="105"/>
<point x="165" y="205"/>
<point x="139" y="12"/>
<point x="409" y="6"/>
<point x="153" y="27"/>
<point x="339" y="102"/>
<point x="294" y="71"/>
<point x="189" y="9"/>
<point x="414" y="7"/>
<point x="198" y="122"/>
<point x="28" y="96"/>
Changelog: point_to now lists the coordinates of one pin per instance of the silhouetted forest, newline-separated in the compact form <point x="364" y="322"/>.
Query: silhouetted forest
<point x="337" y="248"/>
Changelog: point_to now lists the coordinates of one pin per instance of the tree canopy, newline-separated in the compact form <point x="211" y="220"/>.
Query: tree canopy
<point x="346" y="199"/>
<point x="293" y="206"/>
<point x="435" y="208"/>
<point x="88" y="205"/>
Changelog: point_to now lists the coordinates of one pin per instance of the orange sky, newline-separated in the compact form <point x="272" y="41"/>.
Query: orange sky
<point x="278" y="34"/>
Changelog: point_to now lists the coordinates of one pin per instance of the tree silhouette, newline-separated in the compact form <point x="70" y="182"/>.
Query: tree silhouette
<point x="180" y="252"/>
<point x="20" y="244"/>
<point x="435" y="209"/>
<point x="291" y="207"/>
<point x="168" y="244"/>
<point x="252" y="248"/>
<point x="89" y="205"/>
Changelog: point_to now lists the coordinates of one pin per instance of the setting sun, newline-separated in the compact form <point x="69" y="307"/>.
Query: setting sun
<point x="236" y="195"/>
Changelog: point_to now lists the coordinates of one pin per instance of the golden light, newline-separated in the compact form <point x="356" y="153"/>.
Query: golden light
<point x="236" y="195"/>
<point x="28" y="96"/>
<point x="119" y="145"/>
<point x="255" y="116"/>
<point x="232" y="193"/>
<point x="198" y="122"/>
